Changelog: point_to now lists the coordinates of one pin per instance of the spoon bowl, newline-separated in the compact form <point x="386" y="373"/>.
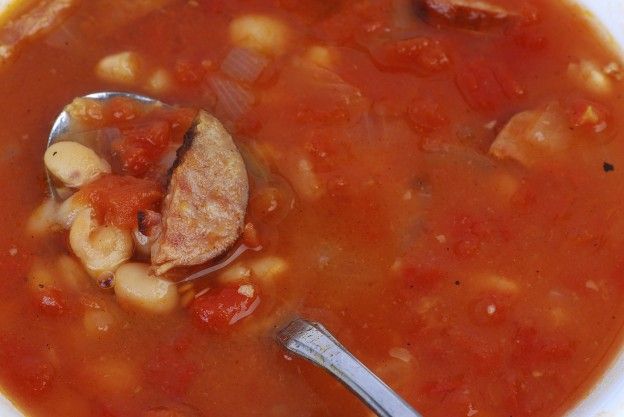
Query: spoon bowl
<point x="62" y="123"/>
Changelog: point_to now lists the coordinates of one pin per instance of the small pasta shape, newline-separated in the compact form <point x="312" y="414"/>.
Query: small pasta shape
<point x="136" y="288"/>
<point x="68" y="210"/>
<point x="100" y="248"/>
<point x="74" y="164"/>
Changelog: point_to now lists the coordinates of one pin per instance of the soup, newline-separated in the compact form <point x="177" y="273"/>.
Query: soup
<point x="438" y="182"/>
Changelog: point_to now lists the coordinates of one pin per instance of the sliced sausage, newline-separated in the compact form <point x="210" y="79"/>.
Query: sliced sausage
<point x="464" y="14"/>
<point x="204" y="209"/>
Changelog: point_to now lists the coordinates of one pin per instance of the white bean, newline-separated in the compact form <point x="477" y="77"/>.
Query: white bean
<point x="268" y="268"/>
<point x="100" y="248"/>
<point x="68" y="210"/>
<point x="74" y="164"/>
<point x="261" y="33"/>
<point x="120" y="68"/>
<point x="136" y="288"/>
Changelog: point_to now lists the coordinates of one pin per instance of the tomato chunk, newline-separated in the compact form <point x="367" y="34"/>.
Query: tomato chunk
<point x="420" y="54"/>
<point x="140" y="147"/>
<point x="487" y="86"/>
<point x="117" y="199"/>
<point x="217" y="311"/>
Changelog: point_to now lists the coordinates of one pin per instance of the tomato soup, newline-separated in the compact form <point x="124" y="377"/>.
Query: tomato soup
<point x="438" y="182"/>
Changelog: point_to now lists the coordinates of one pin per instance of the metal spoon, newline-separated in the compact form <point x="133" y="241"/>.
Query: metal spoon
<point x="313" y="342"/>
<point x="62" y="124"/>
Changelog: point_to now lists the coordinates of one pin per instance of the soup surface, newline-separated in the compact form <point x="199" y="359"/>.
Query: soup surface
<point x="439" y="182"/>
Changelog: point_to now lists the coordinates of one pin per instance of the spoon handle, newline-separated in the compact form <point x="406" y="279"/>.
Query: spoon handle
<point x="314" y="343"/>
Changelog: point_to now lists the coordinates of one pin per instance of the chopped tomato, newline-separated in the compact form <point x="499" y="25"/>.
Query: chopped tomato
<point x="140" y="147"/>
<point x="122" y="109"/>
<point x="486" y="86"/>
<point x="217" y="310"/>
<point x="420" y="54"/>
<point x="117" y="199"/>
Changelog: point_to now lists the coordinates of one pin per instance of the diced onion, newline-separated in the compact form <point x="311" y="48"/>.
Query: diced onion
<point x="401" y="354"/>
<point x="244" y="65"/>
<point x="232" y="99"/>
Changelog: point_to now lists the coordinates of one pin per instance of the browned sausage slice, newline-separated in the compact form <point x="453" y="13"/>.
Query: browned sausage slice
<point x="464" y="14"/>
<point x="204" y="209"/>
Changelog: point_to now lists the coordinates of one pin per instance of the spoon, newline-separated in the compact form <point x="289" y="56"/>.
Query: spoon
<point x="62" y="123"/>
<point x="315" y="343"/>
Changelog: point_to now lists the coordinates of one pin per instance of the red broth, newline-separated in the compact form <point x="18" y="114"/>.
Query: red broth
<point x="475" y="279"/>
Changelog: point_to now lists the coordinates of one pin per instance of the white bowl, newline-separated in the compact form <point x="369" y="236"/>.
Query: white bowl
<point x="606" y="399"/>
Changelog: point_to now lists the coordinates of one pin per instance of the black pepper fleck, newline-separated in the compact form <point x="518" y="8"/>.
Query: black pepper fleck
<point x="607" y="167"/>
<point x="457" y="283"/>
